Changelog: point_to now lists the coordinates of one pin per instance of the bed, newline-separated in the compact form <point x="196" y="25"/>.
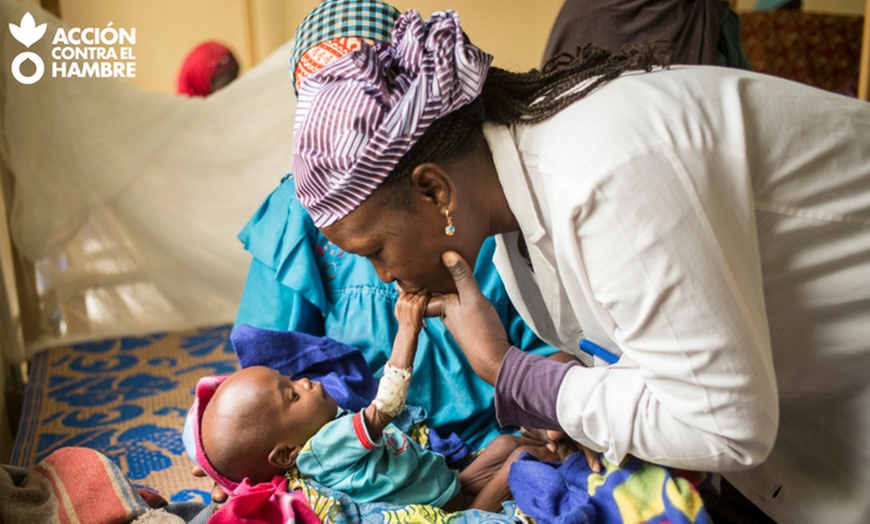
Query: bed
<point x="120" y="262"/>
<point x="126" y="397"/>
<point x="122" y="273"/>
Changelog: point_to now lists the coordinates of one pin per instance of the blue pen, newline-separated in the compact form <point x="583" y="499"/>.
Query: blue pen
<point x="597" y="351"/>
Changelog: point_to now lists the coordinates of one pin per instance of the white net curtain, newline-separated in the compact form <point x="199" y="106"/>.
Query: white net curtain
<point x="128" y="202"/>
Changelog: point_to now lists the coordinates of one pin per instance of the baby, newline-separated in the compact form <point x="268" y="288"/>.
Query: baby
<point x="258" y="423"/>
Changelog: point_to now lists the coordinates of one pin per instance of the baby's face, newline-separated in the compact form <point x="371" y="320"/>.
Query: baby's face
<point x="296" y="409"/>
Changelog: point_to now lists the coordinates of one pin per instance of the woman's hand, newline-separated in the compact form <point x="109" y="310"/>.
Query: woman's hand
<point x="559" y="443"/>
<point x="471" y="319"/>
<point x="217" y="493"/>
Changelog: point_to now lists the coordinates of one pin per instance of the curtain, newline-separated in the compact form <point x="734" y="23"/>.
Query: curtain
<point x="128" y="202"/>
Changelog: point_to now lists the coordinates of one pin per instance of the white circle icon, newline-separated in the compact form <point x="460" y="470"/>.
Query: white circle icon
<point x="20" y="59"/>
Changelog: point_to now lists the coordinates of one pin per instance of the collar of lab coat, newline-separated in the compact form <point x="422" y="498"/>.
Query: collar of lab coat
<point x="531" y="292"/>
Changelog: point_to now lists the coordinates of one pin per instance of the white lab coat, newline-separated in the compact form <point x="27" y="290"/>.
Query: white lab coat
<point x="712" y="226"/>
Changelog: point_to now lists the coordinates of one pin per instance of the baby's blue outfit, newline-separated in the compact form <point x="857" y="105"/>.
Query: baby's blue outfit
<point x="393" y="469"/>
<point x="301" y="281"/>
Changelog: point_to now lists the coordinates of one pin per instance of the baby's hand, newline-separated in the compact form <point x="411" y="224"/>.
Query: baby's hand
<point x="410" y="311"/>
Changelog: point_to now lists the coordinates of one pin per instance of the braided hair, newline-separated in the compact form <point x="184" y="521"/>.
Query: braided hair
<point x="519" y="98"/>
<point x="532" y="97"/>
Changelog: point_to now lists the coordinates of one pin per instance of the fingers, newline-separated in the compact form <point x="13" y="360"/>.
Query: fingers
<point x="552" y="438"/>
<point x="555" y="439"/>
<point x="438" y="306"/>
<point x="462" y="273"/>
<point x="592" y="459"/>
<point x="410" y="309"/>
<point x="218" y="494"/>
<point x="534" y="433"/>
<point x="411" y="301"/>
<point x="466" y="286"/>
<point x="554" y="435"/>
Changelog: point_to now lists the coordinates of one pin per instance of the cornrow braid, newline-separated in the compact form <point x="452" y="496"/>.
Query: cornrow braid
<point x="534" y="96"/>
<point x="520" y="98"/>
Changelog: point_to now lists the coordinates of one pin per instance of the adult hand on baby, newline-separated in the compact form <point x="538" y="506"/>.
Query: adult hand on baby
<point x="217" y="493"/>
<point x="471" y="319"/>
<point x="558" y="442"/>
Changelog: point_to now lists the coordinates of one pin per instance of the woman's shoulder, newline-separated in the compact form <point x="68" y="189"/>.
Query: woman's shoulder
<point x="688" y="108"/>
<point x="278" y="224"/>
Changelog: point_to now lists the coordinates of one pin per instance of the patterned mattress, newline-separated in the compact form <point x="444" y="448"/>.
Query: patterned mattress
<point x="126" y="398"/>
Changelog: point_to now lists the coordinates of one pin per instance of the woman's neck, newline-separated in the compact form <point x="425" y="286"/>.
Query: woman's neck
<point x="501" y="217"/>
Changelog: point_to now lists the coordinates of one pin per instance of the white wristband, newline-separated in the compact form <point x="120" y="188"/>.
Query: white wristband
<point x="392" y="390"/>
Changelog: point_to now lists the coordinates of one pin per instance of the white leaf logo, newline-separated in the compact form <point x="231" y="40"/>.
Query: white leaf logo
<point x="28" y="32"/>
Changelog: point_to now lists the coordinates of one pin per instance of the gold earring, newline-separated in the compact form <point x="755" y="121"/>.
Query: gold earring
<point x="449" y="230"/>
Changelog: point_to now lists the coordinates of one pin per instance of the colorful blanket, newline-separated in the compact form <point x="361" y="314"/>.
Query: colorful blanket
<point x="545" y="493"/>
<point x="71" y="485"/>
<point x="635" y="491"/>
<point x="127" y="398"/>
<point x="334" y="507"/>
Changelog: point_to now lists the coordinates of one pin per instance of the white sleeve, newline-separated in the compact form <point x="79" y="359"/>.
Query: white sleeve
<point x="667" y="247"/>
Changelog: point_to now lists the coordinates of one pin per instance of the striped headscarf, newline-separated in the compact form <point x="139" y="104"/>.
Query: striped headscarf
<point x="333" y="23"/>
<point x="357" y="117"/>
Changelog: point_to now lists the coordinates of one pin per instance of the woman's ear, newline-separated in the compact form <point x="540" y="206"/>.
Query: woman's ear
<point x="433" y="184"/>
<point x="283" y="456"/>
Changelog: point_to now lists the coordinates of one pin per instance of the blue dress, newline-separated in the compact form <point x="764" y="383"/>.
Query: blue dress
<point x="301" y="281"/>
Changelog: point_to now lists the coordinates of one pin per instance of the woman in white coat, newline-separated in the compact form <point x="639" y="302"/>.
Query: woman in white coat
<point x="707" y="228"/>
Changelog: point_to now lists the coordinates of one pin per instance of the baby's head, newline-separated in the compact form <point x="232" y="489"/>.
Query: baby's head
<point x="256" y="421"/>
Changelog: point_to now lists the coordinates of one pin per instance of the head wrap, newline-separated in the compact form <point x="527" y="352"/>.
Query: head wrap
<point x="358" y="116"/>
<point x="203" y="64"/>
<point x="205" y="390"/>
<point x="333" y="22"/>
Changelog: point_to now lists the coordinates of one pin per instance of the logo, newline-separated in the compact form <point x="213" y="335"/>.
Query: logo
<point x="97" y="52"/>
<point x="28" y="33"/>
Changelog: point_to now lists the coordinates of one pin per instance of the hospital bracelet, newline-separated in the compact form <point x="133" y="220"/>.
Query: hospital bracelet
<point x="392" y="390"/>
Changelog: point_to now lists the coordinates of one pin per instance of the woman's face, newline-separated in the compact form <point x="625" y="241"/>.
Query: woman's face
<point x="405" y="246"/>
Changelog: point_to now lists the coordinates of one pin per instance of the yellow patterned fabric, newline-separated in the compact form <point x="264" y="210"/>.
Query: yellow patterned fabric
<point x="334" y="507"/>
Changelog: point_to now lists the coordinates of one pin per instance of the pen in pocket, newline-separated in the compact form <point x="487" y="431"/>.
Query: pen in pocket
<point x="597" y="351"/>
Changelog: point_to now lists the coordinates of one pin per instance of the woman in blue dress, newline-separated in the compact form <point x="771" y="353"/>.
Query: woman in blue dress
<point x="300" y="281"/>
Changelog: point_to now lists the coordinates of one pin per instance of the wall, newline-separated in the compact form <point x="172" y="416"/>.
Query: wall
<point x="166" y="30"/>
<point x="844" y="7"/>
<point x="514" y="31"/>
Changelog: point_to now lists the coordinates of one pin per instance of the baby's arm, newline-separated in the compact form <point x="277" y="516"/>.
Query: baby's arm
<point x="410" y="310"/>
